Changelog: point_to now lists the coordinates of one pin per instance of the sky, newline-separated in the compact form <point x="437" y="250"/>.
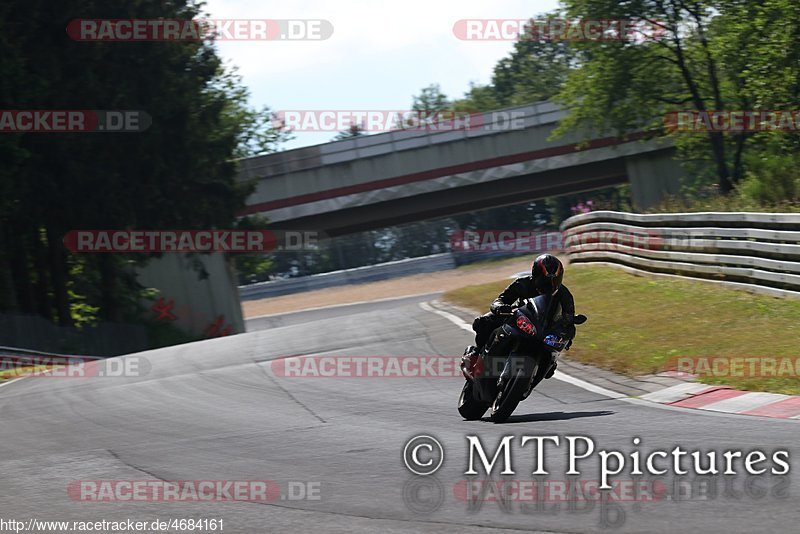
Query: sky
<point x="379" y="56"/>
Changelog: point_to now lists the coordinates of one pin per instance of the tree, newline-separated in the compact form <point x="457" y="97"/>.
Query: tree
<point x="252" y="266"/>
<point x="430" y="101"/>
<point x="356" y="130"/>
<point x="479" y="98"/>
<point x="178" y="174"/>
<point x="535" y="71"/>
<point x="713" y="56"/>
<point x="255" y="129"/>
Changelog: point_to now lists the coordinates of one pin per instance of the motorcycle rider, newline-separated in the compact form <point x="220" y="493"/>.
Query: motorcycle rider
<point x="547" y="273"/>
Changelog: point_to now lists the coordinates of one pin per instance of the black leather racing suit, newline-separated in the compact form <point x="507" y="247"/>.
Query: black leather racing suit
<point x="519" y="289"/>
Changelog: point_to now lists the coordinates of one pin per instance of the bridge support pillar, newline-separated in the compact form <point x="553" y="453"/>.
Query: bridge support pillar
<point x="653" y="177"/>
<point x="198" y="294"/>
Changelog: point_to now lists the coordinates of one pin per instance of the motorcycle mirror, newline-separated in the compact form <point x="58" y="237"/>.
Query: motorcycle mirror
<point x="580" y="319"/>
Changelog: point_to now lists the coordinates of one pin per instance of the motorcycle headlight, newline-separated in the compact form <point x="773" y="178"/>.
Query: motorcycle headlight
<point x="525" y="324"/>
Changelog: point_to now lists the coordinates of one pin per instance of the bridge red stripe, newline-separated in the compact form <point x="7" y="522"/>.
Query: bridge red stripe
<point x="437" y="173"/>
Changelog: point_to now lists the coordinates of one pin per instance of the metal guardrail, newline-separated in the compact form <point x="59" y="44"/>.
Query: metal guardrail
<point x="759" y="252"/>
<point x="20" y="353"/>
<point x="39" y="335"/>
<point x="359" y="275"/>
<point x="15" y="357"/>
<point x="680" y="220"/>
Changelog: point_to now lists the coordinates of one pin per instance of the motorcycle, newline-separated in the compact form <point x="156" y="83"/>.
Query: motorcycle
<point x="518" y="356"/>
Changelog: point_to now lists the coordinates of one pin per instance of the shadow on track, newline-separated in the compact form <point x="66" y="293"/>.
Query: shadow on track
<point x="552" y="416"/>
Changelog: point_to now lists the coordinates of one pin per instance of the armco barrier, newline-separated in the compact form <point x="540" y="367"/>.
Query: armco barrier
<point x="17" y="357"/>
<point x="759" y="252"/>
<point x="359" y="275"/>
<point x="42" y="337"/>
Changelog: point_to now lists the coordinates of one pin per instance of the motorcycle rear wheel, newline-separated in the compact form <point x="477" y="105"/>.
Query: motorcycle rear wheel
<point x="470" y="408"/>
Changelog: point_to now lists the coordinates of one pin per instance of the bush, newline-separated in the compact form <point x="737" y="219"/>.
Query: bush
<point x="771" y="179"/>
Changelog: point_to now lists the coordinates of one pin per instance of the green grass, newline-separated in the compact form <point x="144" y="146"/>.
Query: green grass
<point x="638" y="324"/>
<point x="9" y="374"/>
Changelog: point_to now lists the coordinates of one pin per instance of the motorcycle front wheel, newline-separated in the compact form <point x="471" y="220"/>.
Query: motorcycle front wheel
<point x="514" y="390"/>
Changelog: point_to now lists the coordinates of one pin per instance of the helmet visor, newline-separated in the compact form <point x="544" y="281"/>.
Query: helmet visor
<point x="548" y="285"/>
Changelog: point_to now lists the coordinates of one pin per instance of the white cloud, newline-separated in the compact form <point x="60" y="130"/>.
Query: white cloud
<point x="380" y="54"/>
<point x="364" y="28"/>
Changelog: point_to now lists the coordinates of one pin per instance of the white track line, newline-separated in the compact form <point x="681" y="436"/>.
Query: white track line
<point x="564" y="377"/>
<point x="447" y="315"/>
<point x="559" y="374"/>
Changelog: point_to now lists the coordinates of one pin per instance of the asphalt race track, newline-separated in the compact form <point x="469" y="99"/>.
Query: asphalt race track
<point x="216" y="410"/>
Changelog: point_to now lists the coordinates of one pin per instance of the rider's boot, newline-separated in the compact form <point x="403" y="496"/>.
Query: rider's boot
<point x="469" y="361"/>
<point x="552" y="370"/>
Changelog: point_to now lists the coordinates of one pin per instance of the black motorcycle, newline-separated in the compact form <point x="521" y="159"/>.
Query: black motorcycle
<point x="518" y="356"/>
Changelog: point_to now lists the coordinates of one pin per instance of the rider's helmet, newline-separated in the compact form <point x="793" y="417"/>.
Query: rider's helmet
<point x="547" y="273"/>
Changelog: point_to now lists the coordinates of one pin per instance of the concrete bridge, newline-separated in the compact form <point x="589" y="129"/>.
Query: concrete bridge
<point x="503" y="157"/>
<point x="401" y="176"/>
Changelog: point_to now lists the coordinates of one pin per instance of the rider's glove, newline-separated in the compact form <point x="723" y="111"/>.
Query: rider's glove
<point x="504" y="309"/>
